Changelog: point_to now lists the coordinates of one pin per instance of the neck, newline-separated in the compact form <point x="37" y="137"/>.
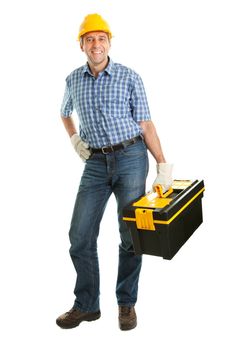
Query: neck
<point x="97" y="68"/>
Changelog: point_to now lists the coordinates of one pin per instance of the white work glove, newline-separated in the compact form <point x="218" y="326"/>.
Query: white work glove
<point x="164" y="176"/>
<point x="81" y="147"/>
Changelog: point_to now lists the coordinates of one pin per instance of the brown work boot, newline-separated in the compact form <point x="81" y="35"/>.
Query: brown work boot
<point x="127" y="318"/>
<point x="74" y="317"/>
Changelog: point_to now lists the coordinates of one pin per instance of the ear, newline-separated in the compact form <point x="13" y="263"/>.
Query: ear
<point x="109" y="40"/>
<point x="81" y="46"/>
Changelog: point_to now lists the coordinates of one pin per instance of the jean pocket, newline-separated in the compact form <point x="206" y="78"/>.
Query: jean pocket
<point x="136" y="150"/>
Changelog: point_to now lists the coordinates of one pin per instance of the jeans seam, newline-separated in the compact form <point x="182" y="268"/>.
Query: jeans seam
<point x="94" y="223"/>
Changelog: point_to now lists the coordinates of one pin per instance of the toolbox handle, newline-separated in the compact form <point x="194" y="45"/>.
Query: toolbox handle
<point x="158" y="189"/>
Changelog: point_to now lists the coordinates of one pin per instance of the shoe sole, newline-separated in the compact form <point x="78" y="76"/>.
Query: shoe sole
<point x="88" y="318"/>
<point x="127" y="328"/>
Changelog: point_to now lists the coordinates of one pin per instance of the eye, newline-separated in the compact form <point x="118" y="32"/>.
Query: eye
<point x="89" y="40"/>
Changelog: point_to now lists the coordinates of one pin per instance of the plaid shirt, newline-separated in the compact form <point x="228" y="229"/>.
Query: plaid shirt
<point x="109" y="107"/>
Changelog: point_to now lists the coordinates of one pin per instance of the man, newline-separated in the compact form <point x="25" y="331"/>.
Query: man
<point x="115" y="132"/>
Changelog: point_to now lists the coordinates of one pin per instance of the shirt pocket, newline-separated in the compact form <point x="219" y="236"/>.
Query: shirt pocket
<point x="116" y="107"/>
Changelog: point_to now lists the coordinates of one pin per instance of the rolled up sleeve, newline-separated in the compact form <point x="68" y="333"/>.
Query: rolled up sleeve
<point x="139" y="103"/>
<point x="67" y="103"/>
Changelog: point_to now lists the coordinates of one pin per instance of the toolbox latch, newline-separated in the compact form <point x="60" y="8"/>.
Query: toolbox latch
<point x="144" y="219"/>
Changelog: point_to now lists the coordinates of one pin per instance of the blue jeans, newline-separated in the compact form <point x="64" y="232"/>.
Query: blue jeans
<point x="123" y="173"/>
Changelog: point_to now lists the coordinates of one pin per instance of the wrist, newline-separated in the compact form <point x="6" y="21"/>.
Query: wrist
<point x="71" y="134"/>
<point x="164" y="166"/>
<point x="74" y="139"/>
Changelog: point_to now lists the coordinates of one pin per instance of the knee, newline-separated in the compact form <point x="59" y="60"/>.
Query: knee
<point x="81" y="247"/>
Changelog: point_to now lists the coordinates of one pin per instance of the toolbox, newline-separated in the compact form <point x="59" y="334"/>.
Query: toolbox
<point x="161" y="223"/>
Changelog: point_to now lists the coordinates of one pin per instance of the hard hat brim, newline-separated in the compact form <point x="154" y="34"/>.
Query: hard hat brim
<point x="82" y="33"/>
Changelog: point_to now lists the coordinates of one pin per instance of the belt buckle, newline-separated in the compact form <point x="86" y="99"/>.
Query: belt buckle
<point x="105" y="147"/>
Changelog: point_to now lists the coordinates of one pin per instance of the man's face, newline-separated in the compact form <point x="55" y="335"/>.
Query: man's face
<point x="96" y="46"/>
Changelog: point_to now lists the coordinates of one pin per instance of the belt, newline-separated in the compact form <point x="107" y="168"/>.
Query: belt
<point x="117" y="147"/>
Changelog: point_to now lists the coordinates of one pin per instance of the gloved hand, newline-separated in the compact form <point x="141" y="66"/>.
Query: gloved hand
<point x="164" y="176"/>
<point x="81" y="147"/>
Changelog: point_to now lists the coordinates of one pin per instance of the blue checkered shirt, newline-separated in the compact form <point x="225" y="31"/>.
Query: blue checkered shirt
<point x="109" y="107"/>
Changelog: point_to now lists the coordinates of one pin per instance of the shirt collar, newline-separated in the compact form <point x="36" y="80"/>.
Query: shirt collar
<point x="109" y="69"/>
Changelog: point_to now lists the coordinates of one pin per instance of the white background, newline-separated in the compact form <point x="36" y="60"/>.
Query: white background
<point x="183" y="51"/>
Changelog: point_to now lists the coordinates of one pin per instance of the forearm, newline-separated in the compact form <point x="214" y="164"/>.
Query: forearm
<point x="69" y="125"/>
<point x="152" y="141"/>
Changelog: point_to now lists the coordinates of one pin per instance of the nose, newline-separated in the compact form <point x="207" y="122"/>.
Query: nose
<point x="95" y="42"/>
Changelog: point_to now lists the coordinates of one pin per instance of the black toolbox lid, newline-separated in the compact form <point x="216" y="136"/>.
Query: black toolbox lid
<point x="184" y="192"/>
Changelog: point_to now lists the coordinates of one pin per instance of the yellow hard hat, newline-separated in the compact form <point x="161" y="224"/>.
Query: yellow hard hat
<point x="94" y="23"/>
